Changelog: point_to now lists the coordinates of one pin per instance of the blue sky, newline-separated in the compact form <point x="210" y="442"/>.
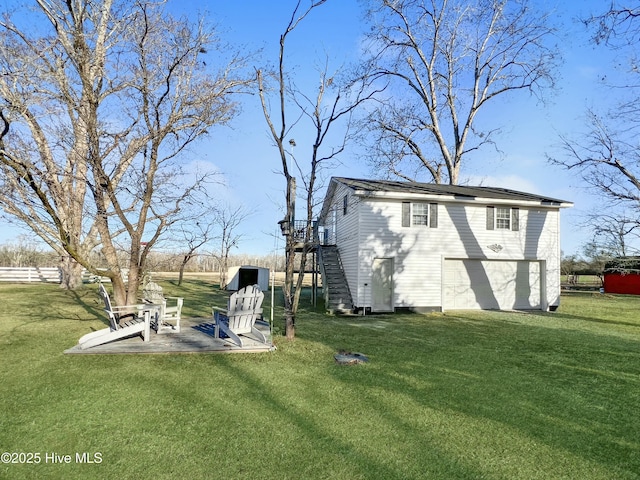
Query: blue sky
<point x="244" y="154"/>
<point x="530" y="129"/>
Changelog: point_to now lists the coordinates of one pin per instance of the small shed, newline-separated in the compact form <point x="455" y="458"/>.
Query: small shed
<point x="241" y="276"/>
<point x="622" y="275"/>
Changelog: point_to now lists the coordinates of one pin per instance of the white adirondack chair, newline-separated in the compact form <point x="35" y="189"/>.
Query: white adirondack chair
<point x="169" y="319"/>
<point x="239" y="318"/>
<point x="124" y="321"/>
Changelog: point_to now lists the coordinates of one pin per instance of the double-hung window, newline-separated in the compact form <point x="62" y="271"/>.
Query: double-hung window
<point x="503" y="218"/>
<point x="419" y="214"/>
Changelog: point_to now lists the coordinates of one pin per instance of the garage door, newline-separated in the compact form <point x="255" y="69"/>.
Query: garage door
<point x="491" y="284"/>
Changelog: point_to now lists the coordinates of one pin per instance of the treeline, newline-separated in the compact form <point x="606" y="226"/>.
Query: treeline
<point x="170" y="262"/>
<point x="27" y="254"/>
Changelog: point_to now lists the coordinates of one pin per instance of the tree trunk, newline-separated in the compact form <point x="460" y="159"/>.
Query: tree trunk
<point x="133" y="282"/>
<point x="288" y="290"/>
<point x="119" y="290"/>
<point x="298" y="290"/>
<point x="71" y="273"/>
<point x="126" y="292"/>
<point x="181" y="274"/>
<point x="223" y="273"/>
<point x="183" y="265"/>
<point x="289" y="324"/>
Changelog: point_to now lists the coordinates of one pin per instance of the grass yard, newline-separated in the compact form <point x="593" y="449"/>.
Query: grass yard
<point x="461" y="395"/>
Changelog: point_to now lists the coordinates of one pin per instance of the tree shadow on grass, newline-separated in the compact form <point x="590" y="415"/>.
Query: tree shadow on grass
<point x="582" y="318"/>
<point x="590" y="316"/>
<point x="571" y="390"/>
<point x="368" y="463"/>
<point x="90" y="302"/>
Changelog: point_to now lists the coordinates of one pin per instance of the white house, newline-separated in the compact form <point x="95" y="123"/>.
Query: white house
<point x="440" y="247"/>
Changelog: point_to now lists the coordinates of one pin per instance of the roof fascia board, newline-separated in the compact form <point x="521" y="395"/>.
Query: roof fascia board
<point x="454" y="199"/>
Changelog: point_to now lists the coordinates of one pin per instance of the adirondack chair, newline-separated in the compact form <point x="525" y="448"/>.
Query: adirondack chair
<point x="124" y="321"/>
<point x="239" y="318"/>
<point x="169" y="318"/>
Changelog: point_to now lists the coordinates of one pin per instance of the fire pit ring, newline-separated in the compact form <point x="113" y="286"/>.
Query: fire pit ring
<point x="350" y="358"/>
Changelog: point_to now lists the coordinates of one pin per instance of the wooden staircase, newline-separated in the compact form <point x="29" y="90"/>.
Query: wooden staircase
<point x="337" y="295"/>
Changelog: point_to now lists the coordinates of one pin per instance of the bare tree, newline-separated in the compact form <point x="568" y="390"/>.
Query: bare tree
<point x="607" y="159"/>
<point x="446" y="60"/>
<point x="606" y="156"/>
<point x="616" y="233"/>
<point x="618" y="26"/>
<point x="101" y="108"/>
<point x="328" y="108"/>
<point x="25" y="251"/>
<point x="227" y="220"/>
<point x="195" y="234"/>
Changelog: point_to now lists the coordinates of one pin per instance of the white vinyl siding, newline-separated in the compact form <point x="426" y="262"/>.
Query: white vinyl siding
<point x="418" y="252"/>
<point x="346" y="232"/>
<point x="383" y="236"/>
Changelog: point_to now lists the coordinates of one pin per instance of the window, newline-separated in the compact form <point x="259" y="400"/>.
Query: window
<point x="420" y="214"/>
<point x="503" y="218"/>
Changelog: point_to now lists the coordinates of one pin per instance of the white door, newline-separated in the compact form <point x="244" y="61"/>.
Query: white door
<point x="382" y="285"/>
<point x="492" y="284"/>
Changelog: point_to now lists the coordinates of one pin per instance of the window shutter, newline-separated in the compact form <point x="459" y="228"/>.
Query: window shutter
<point x="345" y="202"/>
<point x="406" y="214"/>
<point x="515" y="219"/>
<point x="490" y="218"/>
<point x="433" y="215"/>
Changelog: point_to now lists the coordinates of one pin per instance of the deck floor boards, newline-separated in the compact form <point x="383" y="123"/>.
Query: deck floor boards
<point x="195" y="336"/>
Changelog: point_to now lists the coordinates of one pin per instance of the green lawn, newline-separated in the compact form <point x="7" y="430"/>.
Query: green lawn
<point x="469" y="395"/>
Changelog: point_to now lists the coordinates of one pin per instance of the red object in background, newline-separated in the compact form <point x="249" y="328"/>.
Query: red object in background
<point x="627" y="283"/>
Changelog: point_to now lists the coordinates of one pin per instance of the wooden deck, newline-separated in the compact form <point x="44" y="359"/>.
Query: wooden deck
<point x="195" y="336"/>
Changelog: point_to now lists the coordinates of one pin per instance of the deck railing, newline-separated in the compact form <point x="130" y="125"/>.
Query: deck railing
<point x="319" y="235"/>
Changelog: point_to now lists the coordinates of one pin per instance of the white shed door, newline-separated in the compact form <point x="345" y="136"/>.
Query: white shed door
<point x="382" y="285"/>
<point x="491" y="284"/>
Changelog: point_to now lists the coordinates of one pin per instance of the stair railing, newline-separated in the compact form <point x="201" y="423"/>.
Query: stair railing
<point x="323" y="273"/>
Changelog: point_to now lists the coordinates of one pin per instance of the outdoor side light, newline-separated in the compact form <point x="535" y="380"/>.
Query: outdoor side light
<point x="285" y="227"/>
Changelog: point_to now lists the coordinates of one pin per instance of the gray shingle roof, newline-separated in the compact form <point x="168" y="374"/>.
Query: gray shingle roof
<point x="458" y="191"/>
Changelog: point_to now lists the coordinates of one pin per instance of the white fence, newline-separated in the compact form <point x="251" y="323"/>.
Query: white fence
<point x="30" y="274"/>
<point x="44" y="274"/>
